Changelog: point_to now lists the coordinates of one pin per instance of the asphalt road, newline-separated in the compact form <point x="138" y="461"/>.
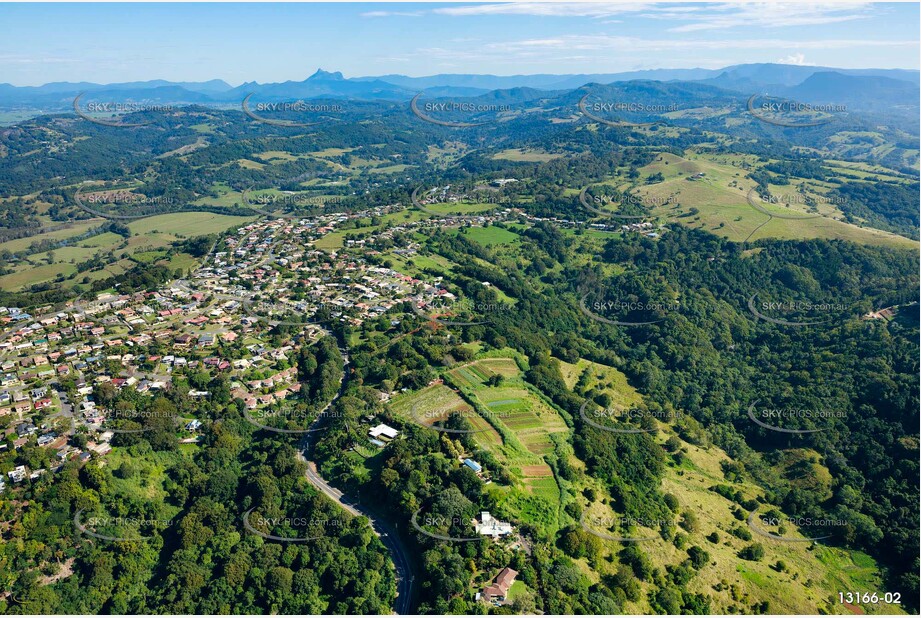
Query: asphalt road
<point x="381" y="528"/>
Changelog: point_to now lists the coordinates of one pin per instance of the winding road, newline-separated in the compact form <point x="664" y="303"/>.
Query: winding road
<point x="380" y="526"/>
<point x="383" y="529"/>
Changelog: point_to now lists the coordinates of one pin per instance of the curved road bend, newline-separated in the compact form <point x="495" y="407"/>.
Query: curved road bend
<point x="381" y="527"/>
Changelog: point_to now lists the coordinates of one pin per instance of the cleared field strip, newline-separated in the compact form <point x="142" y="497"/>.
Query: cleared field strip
<point x="538" y="471"/>
<point x="527" y="417"/>
<point x="604" y="378"/>
<point x="476" y="373"/>
<point x="543" y="487"/>
<point x="468" y="376"/>
<point x="505" y="367"/>
<point x="486" y="434"/>
<point x="527" y="421"/>
<point x="436" y="403"/>
<point x="430" y="404"/>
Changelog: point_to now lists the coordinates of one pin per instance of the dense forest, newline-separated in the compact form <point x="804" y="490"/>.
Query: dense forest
<point x="712" y="359"/>
<point x="181" y="545"/>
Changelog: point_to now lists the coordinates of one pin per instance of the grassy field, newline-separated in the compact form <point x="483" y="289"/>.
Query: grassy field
<point x="152" y="236"/>
<point x="109" y="239"/>
<point x="225" y="197"/>
<point x="147" y="484"/>
<point x="74" y="229"/>
<point x="13" y="117"/>
<point x="597" y="379"/>
<point x="867" y="170"/>
<point x="249" y="164"/>
<point x="73" y="253"/>
<point x="488" y="236"/>
<point x="413" y="265"/>
<point x="37" y="274"/>
<point x="277" y="155"/>
<point x="203" y="127"/>
<point x="144" y="484"/>
<point x="332" y="152"/>
<point x="813" y="575"/>
<point x="720" y="205"/>
<point x="430" y="405"/>
<point x="809" y="583"/>
<point x="147" y="257"/>
<point x="181" y="261"/>
<point x="187" y="224"/>
<point x="462" y="208"/>
<point x="390" y="169"/>
<point x="447" y="153"/>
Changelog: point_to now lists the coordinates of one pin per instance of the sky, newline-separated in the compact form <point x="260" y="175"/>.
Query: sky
<point x="244" y="42"/>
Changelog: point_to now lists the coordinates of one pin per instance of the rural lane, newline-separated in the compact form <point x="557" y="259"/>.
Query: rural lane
<point x="382" y="528"/>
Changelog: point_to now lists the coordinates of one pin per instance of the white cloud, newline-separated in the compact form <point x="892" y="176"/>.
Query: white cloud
<point x="602" y="43"/>
<point x="788" y="30"/>
<point x="628" y="50"/>
<point x="798" y="59"/>
<point x="392" y="14"/>
<point x="699" y="17"/>
<point x="546" y="9"/>
<point x="760" y="15"/>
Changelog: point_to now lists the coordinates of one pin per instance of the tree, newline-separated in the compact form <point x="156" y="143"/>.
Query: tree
<point x="752" y="552"/>
<point x="699" y="557"/>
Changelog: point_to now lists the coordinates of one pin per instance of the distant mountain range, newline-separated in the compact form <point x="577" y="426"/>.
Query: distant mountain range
<point x="866" y="90"/>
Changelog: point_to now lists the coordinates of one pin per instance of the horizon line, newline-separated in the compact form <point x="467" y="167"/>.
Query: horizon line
<point x="383" y="75"/>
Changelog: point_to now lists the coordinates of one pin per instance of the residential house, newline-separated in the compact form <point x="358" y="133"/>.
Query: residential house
<point x="497" y="593"/>
<point x="384" y="431"/>
<point x="489" y="526"/>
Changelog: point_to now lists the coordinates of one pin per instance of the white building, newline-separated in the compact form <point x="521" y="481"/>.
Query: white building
<point x="383" y="430"/>
<point x="489" y="526"/>
<point x="17" y="474"/>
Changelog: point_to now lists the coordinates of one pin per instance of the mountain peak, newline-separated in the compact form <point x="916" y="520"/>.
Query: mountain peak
<point x="321" y="74"/>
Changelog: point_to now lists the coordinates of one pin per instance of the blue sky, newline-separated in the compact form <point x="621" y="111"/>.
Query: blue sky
<point x="42" y="43"/>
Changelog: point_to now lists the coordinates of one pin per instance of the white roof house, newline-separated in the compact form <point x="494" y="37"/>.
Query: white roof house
<point x="489" y="526"/>
<point x="384" y="430"/>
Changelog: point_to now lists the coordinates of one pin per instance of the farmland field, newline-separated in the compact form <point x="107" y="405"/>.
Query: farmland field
<point x="492" y="235"/>
<point x="464" y="208"/>
<point x="525" y="415"/>
<point x="476" y="373"/>
<point x="524" y="422"/>
<point x="187" y="223"/>
<point x="36" y="274"/>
